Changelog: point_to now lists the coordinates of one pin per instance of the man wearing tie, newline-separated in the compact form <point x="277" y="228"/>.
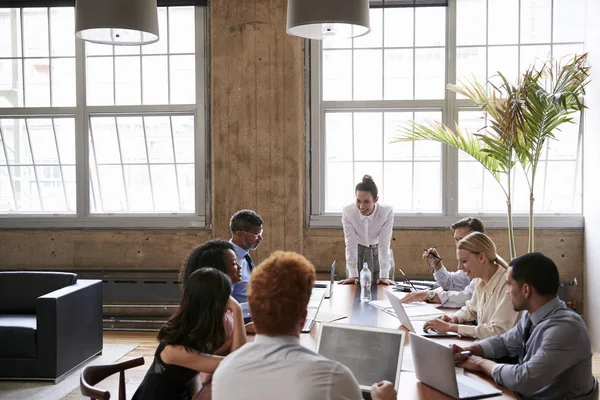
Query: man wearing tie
<point x="246" y="234"/>
<point x="551" y="341"/>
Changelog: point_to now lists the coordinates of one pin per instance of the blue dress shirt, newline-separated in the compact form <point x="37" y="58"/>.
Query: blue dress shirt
<point x="240" y="288"/>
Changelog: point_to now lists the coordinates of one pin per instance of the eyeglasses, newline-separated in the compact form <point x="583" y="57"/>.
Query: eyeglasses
<point x="254" y="235"/>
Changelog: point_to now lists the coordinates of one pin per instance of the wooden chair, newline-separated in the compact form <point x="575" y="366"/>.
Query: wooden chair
<point x="93" y="374"/>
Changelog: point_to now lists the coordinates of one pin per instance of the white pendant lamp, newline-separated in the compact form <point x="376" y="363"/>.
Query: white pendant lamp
<point x="118" y="22"/>
<point x="323" y="19"/>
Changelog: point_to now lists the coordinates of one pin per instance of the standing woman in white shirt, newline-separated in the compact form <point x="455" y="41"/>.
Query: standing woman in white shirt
<point x="367" y="227"/>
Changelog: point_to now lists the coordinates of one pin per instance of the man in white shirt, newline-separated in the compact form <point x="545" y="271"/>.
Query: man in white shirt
<point x="455" y="287"/>
<point x="275" y="365"/>
<point x="246" y="234"/>
<point x="367" y="234"/>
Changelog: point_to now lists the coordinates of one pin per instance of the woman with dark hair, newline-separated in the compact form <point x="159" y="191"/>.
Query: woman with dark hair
<point x="367" y="233"/>
<point x="216" y="253"/>
<point x="189" y="340"/>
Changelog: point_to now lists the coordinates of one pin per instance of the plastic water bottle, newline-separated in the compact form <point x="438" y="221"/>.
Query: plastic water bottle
<point x="365" y="283"/>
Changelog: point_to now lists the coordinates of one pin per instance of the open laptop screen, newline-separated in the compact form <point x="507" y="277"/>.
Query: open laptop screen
<point x="372" y="354"/>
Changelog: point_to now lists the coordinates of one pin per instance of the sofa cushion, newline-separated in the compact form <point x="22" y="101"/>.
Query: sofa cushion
<point x="18" y="336"/>
<point x="20" y="289"/>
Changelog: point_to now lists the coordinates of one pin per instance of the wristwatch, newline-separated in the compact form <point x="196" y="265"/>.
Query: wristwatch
<point x="430" y="295"/>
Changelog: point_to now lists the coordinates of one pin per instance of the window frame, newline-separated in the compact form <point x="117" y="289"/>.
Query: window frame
<point x="449" y="106"/>
<point x="82" y="113"/>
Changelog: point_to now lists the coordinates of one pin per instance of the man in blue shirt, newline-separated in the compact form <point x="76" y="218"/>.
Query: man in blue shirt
<point x="551" y="341"/>
<point x="246" y="234"/>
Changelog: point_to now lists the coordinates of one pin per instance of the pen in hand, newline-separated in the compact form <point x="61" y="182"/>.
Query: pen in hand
<point x="433" y="255"/>
<point x="465" y="353"/>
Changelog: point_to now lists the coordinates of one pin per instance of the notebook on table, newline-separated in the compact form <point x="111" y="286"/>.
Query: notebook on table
<point x="402" y="316"/>
<point x="376" y="353"/>
<point x="434" y="366"/>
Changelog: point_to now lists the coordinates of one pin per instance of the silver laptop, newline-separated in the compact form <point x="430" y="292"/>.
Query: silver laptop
<point x="434" y="366"/>
<point x="376" y="353"/>
<point x="404" y="320"/>
<point x="328" y="286"/>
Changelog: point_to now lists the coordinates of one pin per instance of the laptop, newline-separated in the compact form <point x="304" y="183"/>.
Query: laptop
<point x="376" y="353"/>
<point x="404" y="320"/>
<point x="434" y="366"/>
<point x="329" y="285"/>
<point x="312" y="308"/>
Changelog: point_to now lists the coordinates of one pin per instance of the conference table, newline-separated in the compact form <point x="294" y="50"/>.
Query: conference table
<point x="345" y="300"/>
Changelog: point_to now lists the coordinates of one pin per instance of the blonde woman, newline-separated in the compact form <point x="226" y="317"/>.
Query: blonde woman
<point x="490" y="305"/>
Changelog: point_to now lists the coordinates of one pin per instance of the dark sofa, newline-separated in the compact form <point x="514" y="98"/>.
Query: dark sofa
<point x="50" y="322"/>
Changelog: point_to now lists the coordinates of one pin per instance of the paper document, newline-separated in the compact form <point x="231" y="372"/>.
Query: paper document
<point x="381" y="304"/>
<point x="422" y="310"/>
<point x="328" y="317"/>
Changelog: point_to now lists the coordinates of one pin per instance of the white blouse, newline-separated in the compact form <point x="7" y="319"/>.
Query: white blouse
<point x="368" y="230"/>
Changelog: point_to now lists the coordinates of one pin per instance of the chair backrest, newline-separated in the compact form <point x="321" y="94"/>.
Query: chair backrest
<point x="92" y="374"/>
<point x="20" y="289"/>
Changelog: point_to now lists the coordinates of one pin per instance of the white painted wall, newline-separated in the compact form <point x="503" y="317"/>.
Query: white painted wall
<point x="591" y="171"/>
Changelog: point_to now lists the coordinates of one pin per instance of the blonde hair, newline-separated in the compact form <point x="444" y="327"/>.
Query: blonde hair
<point x="477" y="242"/>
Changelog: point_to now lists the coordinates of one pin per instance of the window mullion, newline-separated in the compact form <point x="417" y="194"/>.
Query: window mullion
<point x="82" y="165"/>
<point x="450" y="116"/>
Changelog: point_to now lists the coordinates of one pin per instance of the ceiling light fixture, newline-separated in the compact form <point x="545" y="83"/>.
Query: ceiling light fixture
<point x="118" y="22"/>
<point x="325" y="19"/>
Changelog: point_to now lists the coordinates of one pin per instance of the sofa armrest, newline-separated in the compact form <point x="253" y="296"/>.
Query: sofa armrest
<point x="69" y="324"/>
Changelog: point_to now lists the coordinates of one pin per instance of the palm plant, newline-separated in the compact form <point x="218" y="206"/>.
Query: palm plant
<point x="554" y="94"/>
<point x="521" y="119"/>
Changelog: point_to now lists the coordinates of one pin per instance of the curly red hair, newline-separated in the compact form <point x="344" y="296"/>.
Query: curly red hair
<point x="279" y="292"/>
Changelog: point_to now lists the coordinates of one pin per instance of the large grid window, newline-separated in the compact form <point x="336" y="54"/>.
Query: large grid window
<point x="364" y="89"/>
<point x="370" y="85"/>
<point x="89" y="132"/>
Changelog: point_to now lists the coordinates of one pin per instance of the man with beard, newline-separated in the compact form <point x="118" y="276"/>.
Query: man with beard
<point x="246" y="234"/>
<point x="551" y="341"/>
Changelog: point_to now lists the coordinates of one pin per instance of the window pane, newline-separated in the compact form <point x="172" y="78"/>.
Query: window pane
<point x="166" y="196"/>
<point x="569" y="17"/>
<point x="37" y="82"/>
<point x="187" y="188"/>
<point x="430" y="24"/>
<point x="131" y="137"/>
<point x="183" y="134"/>
<point x="368" y="71"/>
<point x="470" y="63"/>
<point x="531" y="55"/>
<point x="10" y="32"/>
<point x="99" y="81"/>
<point x="470" y="22"/>
<point x="63" y="82"/>
<point x="137" y="182"/>
<point x="182" y="79"/>
<point x="339" y="184"/>
<point x="535" y="21"/>
<point x="368" y="130"/>
<point x="503" y="59"/>
<point x="155" y="78"/>
<point x="11" y="83"/>
<point x="62" y="26"/>
<point x="159" y="138"/>
<point x="398" y="70"/>
<point x="503" y="21"/>
<point x="427" y="187"/>
<point x="26" y="189"/>
<point x="35" y="32"/>
<point x="181" y="30"/>
<point x="397" y="151"/>
<point x="43" y="145"/>
<point x="398" y="186"/>
<point x="339" y="145"/>
<point x="7" y="198"/>
<point x="430" y="74"/>
<point x="399" y="27"/>
<point x="127" y="80"/>
<point x="337" y="75"/>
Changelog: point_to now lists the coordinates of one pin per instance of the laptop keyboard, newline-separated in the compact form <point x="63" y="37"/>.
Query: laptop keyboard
<point x="465" y="391"/>
<point x="308" y="324"/>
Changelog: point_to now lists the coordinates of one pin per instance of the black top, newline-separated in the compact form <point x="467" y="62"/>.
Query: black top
<point x="165" y="381"/>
